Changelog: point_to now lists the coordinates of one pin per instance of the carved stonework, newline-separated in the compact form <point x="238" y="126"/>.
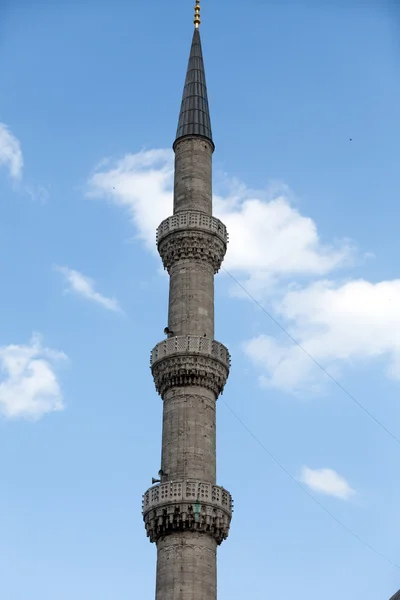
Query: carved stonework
<point x="181" y="371"/>
<point x="192" y="245"/>
<point x="187" y="505"/>
<point x="190" y="360"/>
<point x="192" y="235"/>
<point x="191" y="219"/>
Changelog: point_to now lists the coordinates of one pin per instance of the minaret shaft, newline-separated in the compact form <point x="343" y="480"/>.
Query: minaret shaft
<point x="187" y="515"/>
<point x="186" y="567"/>
<point x="191" y="296"/>
<point x="191" y="293"/>
<point x="189" y="434"/>
<point x="193" y="175"/>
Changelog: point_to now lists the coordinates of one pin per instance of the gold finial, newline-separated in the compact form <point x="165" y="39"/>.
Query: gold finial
<point x="197" y="14"/>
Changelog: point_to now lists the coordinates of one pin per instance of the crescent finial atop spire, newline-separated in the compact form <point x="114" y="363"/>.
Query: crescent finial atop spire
<point x="194" y="116"/>
<point x="197" y="14"/>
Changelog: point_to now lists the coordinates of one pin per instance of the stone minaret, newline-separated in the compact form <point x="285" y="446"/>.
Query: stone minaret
<point x="186" y="513"/>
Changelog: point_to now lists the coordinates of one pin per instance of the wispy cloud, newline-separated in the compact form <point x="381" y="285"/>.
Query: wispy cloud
<point x="85" y="287"/>
<point x="278" y="254"/>
<point x="335" y="323"/>
<point x="328" y="482"/>
<point x="269" y="238"/>
<point x="39" y="193"/>
<point x="142" y="184"/>
<point x="10" y="153"/>
<point x="29" y="387"/>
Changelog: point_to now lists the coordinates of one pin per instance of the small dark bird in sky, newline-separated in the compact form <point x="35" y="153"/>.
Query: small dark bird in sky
<point x="113" y="188"/>
<point x="351" y="139"/>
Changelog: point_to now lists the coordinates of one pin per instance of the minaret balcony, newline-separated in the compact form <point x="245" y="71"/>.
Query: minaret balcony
<point x="190" y="360"/>
<point x="193" y="220"/>
<point x="187" y="505"/>
<point x="192" y="235"/>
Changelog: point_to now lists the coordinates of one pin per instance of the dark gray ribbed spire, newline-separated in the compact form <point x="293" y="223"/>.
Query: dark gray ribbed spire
<point x="194" y="118"/>
<point x="396" y="596"/>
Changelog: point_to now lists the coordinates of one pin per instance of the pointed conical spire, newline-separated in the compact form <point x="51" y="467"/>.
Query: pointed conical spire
<point x="194" y="118"/>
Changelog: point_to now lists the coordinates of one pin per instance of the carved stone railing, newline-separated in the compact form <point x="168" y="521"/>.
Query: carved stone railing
<point x="192" y="220"/>
<point x="191" y="235"/>
<point x="190" y="360"/>
<point x="187" y="505"/>
<point x="191" y="344"/>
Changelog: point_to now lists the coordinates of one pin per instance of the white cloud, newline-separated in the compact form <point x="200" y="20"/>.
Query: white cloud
<point x="85" y="287"/>
<point x="29" y="387"/>
<point x="39" y="193"/>
<point x="141" y="183"/>
<point x="269" y="238"/>
<point x="10" y="152"/>
<point x="328" y="482"/>
<point x="271" y="246"/>
<point x="337" y="324"/>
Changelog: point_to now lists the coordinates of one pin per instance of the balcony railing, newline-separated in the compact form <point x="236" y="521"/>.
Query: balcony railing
<point x="192" y="220"/>
<point x="190" y="344"/>
<point x="187" y="490"/>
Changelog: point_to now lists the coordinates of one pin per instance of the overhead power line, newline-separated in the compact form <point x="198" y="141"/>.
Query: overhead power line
<point x="306" y="491"/>
<point x="315" y="361"/>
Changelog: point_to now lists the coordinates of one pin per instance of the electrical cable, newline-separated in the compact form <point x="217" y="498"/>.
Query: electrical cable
<point x="318" y="364"/>
<point x="306" y="491"/>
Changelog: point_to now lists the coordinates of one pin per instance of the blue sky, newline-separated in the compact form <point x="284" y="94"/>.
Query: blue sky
<point x="88" y="111"/>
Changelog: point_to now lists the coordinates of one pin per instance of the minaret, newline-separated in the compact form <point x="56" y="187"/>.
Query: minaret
<point x="186" y="513"/>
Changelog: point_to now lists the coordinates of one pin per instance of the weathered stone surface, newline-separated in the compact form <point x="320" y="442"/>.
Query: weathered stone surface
<point x="192" y="244"/>
<point x="192" y="219"/>
<point x="193" y="178"/>
<point x="186" y="567"/>
<point x="185" y="370"/>
<point x="190" y="344"/>
<point x="187" y="506"/>
<point x="190" y="360"/>
<point x="189" y="434"/>
<point x="191" y="299"/>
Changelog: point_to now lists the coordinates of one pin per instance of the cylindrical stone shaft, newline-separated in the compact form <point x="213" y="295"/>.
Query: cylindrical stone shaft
<point x="191" y="299"/>
<point x="188" y="437"/>
<point x="186" y="567"/>
<point x="193" y="178"/>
